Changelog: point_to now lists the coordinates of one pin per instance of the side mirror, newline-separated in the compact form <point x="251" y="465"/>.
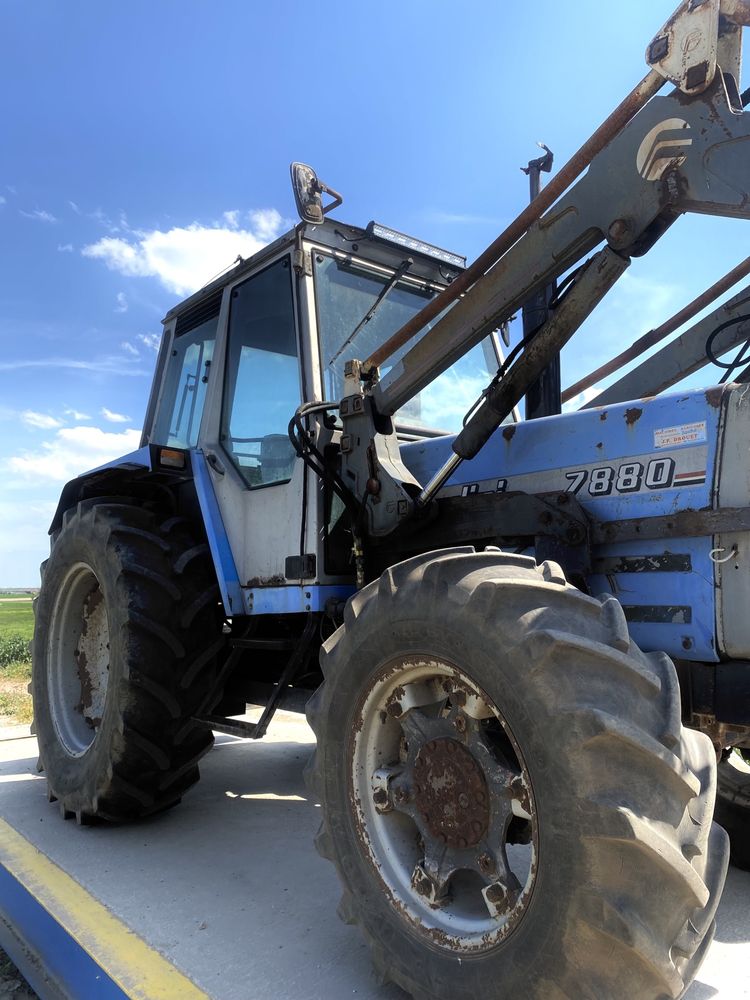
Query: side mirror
<point x="308" y="194"/>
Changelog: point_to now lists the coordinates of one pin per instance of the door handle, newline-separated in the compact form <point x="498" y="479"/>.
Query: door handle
<point x="214" y="462"/>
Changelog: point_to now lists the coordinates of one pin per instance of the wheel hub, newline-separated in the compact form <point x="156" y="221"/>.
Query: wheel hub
<point x="78" y="659"/>
<point x="444" y="804"/>
<point x="451" y="793"/>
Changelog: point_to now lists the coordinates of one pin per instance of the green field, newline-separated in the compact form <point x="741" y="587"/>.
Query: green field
<point x="16" y="628"/>
<point x="16" y="618"/>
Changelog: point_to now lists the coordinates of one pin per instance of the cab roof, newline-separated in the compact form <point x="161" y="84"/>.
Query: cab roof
<point x="343" y="238"/>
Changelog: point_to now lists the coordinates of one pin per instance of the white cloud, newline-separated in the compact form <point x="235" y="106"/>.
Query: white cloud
<point x="24" y="523"/>
<point x="232" y="218"/>
<point x="41" y="214"/>
<point x="40" y="420"/>
<point x="184" y="258"/>
<point x="122" y="303"/>
<point x="266" y="223"/>
<point x="114" y="418"/>
<point x="151" y="340"/>
<point x="76" y="414"/>
<point x="75" y="207"/>
<point x="130" y="349"/>
<point x="102" y="219"/>
<point x="9" y="187"/>
<point x="114" y="365"/>
<point x="2" y="200"/>
<point x="65" y="247"/>
<point x="73" y="450"/>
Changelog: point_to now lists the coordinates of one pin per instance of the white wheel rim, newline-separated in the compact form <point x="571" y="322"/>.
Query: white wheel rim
<point x="407" y="814"/>
<point x="78" y="659"/>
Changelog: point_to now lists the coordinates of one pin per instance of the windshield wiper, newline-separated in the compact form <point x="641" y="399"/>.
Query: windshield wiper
<point x="394" y="279"/>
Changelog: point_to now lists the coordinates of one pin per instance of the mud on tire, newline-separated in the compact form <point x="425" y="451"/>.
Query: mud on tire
<point x="127" y="635"/>
<point x="628" y="869"/>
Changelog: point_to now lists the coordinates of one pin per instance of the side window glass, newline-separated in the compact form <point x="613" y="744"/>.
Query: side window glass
<point x="262" y="382"/>
<point x="184" y="396"/>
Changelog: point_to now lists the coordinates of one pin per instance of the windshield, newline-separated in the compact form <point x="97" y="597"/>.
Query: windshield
<point x="345" y="292"/>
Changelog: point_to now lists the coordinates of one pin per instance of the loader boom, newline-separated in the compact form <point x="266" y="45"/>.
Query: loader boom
<point x="655" y="159"/>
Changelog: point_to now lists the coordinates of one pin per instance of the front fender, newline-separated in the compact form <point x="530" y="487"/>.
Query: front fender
<point x="132" y="474"/>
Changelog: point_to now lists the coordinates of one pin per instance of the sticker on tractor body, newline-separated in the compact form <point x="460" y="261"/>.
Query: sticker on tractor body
<point x="632" y="475"/>
<point x="672" y="437"/>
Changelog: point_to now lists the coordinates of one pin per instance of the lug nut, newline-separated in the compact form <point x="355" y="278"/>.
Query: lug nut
<point x="486" y="863"/>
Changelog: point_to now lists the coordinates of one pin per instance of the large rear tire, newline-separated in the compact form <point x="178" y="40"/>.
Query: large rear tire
<point x="508" y="795"/>
<point x="127" y="632"/>
<point x="733" y="805"/>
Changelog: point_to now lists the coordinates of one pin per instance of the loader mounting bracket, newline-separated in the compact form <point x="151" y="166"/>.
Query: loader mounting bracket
<point x="554" y="523"/>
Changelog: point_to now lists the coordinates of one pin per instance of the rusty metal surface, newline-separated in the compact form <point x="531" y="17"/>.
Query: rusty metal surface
<point x="451" y="793"/>
<point x="429" y="750"/>
<point x="495" y="515"/>
<point x="91" y="656"/>
<point x="683" y="524"/>
<point x="648" y="340"/>
<point x="636" y="99"/>
<point x="738" y="11"/>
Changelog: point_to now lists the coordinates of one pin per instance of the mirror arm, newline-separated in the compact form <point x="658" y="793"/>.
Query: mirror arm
<point x="337" y="199"/>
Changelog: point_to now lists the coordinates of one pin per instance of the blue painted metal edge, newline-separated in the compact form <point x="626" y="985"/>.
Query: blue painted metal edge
<point x="71" y="491"/>
<point x="52" y="961"/>
<point x="294" y="599"/>
<point x="136" y="459"/>
<point x="218" y="541"/>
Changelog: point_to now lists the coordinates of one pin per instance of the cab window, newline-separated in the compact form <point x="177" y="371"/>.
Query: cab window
<point x="184" y="396"/>
<point x="262" y="382"/>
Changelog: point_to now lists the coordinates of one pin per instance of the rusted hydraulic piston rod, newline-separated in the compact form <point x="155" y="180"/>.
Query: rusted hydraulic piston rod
<point x="624" y="113"/>
<point x="655" y="336"/>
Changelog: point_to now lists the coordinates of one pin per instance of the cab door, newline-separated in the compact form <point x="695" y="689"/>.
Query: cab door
<point x="257" y="478"/>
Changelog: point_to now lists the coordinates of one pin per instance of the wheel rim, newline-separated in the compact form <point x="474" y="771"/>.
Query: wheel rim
<point x="78" y="659"/>
<point x="443" y="804"/>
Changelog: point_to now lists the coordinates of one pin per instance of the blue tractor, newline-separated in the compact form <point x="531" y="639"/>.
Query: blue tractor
<point x="523" y="645"/>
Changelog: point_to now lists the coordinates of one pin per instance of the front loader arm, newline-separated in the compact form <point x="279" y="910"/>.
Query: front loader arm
<point x="665" y="156"/>
<point x="677" y="155"/>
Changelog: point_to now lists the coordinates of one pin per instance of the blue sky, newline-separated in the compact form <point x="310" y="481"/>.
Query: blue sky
<point x="145" y="144"/>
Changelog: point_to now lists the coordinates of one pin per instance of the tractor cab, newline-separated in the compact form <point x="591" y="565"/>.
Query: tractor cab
<point x="240" y="356"/>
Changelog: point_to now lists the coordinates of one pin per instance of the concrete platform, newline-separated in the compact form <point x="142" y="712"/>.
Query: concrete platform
<point x="228" y="887"/>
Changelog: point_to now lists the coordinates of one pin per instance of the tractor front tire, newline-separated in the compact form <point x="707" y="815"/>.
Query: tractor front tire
<point x="507" y="792"/>
<point x="733" y="805"/>
<point x="127" y="635"/>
